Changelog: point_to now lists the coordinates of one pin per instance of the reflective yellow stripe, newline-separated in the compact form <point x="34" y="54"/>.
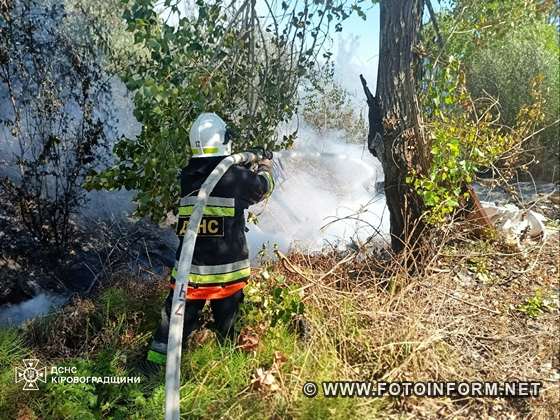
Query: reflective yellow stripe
<point x="217" y="278"/>
<point x="204" y="150"/>
<point x="220" y="278"/>
<point x="208" y="211"/>
<point x="191" y="200"/>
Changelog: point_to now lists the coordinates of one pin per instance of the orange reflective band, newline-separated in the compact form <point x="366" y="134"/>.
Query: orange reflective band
<point x="212" y="292"/>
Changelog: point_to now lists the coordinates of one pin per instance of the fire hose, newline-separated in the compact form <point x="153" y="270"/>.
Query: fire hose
<point x="174" y="343"/>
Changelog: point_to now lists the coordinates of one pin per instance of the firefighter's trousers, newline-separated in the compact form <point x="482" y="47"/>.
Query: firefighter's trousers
<point x="224" y="312"/>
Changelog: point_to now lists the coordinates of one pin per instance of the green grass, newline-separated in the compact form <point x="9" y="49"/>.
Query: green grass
<point x="536" y="305"/>
<point x="12" y="351"/>
<point x="361" y="327"/>
<point x="217" y="380"/>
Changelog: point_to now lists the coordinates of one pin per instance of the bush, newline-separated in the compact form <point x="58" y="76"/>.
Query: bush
<point x="466" y="137"/>
<point x="505" y="46"/>
<point x="505" y="69"/>
<point x="227" y="60"/>
<point x="58" y="117"/>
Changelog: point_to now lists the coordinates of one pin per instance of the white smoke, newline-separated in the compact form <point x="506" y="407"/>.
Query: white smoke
<point x="37" y="306"/>
<point x="119" y="122"/>
<point x="103" y="204"/>
<point x="327" y="197"/>
<point x="349" y="64"/>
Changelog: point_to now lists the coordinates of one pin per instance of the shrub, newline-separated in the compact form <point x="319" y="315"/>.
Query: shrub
<point x="228" y="60"/>
<point x="58" y="115"/>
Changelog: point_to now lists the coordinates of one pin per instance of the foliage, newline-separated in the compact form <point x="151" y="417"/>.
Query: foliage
<point x="504" y="46"/>
<point x="465" y="138"/>
<point x="535" y="305"/>
<point x="479" y="266"/>
<point x="468" y="26"/>
<point x="328" y="106"/>
<point x="57" y="116"/>
<point x="101" y="24"/>
<point x="485" y="93"/>
<point x="282" y="303"/>
<point x="503" y="69"/>
<point x="221" y="58"/>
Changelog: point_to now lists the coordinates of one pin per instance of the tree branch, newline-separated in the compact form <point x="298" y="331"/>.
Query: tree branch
<point x="375" y="132"/>
<point x="369" y="97"/>
<point x="434" y="22"/>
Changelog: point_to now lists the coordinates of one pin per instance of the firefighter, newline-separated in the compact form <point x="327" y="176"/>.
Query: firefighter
<point x="220" y="265"/>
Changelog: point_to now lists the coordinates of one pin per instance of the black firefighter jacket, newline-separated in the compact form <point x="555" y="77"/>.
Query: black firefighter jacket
<point x="220" y="256"/>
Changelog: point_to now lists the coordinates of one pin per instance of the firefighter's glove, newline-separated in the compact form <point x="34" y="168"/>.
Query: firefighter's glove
<point x="265" y="165"/>
<point x="267" y="155"/>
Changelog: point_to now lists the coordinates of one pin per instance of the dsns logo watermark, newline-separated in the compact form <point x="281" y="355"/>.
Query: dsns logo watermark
<point x="30" y="373"/>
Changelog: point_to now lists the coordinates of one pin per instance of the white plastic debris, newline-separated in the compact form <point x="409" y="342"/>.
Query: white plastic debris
<point x="536" y="224"/>
<point x="515" y="222"/>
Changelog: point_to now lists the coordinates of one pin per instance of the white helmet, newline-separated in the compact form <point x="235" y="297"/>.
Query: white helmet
<point x="208" y="136"/>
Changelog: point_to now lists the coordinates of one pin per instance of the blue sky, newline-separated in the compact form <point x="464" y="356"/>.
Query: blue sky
<point x="367" y="30"/>
<point x="356" y="50"/>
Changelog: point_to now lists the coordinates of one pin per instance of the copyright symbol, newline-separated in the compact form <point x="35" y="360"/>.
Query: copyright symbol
<point x="310" y="389"/>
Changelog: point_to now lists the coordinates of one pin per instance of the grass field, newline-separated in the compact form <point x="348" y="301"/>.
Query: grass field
<point x="480" y="311"/>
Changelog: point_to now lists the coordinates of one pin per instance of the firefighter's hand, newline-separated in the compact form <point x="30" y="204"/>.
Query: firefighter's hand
<point x="261" y="152"/>
<point x="265" y="165"/>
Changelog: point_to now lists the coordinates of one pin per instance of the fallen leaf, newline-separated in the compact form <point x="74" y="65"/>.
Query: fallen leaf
<point x="279" y="359"/>
<point x="248" y="340"/>
<point x="264" y="380"/>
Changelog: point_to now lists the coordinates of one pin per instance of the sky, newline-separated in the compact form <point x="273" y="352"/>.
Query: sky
<point x="356" y="51"/>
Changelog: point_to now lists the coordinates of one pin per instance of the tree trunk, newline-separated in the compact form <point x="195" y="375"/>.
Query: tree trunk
<point x="395" y="127"/>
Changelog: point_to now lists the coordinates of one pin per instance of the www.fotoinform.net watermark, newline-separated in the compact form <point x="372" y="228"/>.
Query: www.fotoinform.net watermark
<point x="364" y="389"/>
<point x="31" y="372"/>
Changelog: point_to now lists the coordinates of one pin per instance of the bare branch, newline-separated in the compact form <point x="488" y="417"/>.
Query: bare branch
<point x="434" y="22"/>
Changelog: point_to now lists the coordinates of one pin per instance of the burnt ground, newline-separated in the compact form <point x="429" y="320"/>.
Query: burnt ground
<point x="29" y="267"/>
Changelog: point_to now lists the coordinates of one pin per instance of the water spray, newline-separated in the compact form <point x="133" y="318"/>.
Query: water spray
<point x="319" y="186"/>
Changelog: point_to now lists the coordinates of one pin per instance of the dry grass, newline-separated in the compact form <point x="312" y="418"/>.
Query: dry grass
<point x="122" y="315"/>
<point x="458" y="321"/>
